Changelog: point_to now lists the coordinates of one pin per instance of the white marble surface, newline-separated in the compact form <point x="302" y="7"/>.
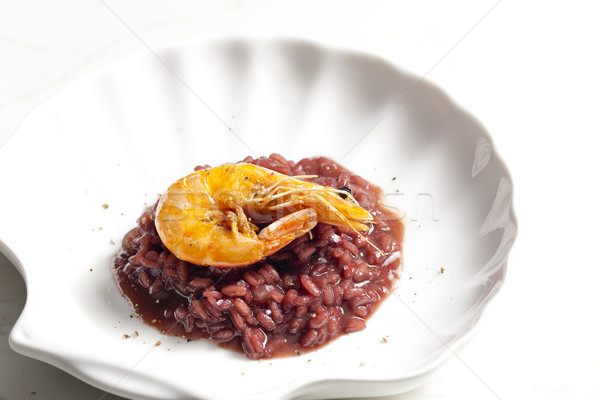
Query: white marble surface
<point x="528" y="71"/>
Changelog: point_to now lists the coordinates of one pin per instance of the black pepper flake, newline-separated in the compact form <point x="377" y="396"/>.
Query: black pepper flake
<point x="189" y="340"/>
<point x="298" y="352"/>
<point x="394" y="178"/>
<point x="246" y="178"/>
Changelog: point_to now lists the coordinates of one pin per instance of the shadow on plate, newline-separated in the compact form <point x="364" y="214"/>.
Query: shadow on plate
<point x="22" y="377"/>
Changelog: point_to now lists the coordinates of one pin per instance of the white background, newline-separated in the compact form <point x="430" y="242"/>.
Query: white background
<point x="527" y="70"/>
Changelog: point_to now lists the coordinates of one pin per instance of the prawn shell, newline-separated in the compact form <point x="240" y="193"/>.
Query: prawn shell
<point x="206" y="217"/>
<point x="190" y="221"/>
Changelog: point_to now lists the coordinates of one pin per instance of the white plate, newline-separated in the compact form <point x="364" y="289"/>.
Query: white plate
<point x="120" y="135"/>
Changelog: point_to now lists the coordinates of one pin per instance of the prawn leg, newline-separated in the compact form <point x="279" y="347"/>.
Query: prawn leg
<point x="281" y="232"/>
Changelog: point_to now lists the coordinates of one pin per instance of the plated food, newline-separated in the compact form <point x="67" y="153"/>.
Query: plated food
<point x="268" y="257"/>
<point x="104" y="141"/>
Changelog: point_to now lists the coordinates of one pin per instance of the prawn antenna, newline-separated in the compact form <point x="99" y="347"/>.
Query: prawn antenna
<point x="349" y="223"/>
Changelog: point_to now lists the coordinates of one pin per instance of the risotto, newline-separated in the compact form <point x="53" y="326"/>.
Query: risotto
<point x="323" y="284"/>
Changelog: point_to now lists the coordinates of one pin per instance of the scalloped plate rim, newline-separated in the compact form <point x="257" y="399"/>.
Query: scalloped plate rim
<point x="279" y="39"/>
